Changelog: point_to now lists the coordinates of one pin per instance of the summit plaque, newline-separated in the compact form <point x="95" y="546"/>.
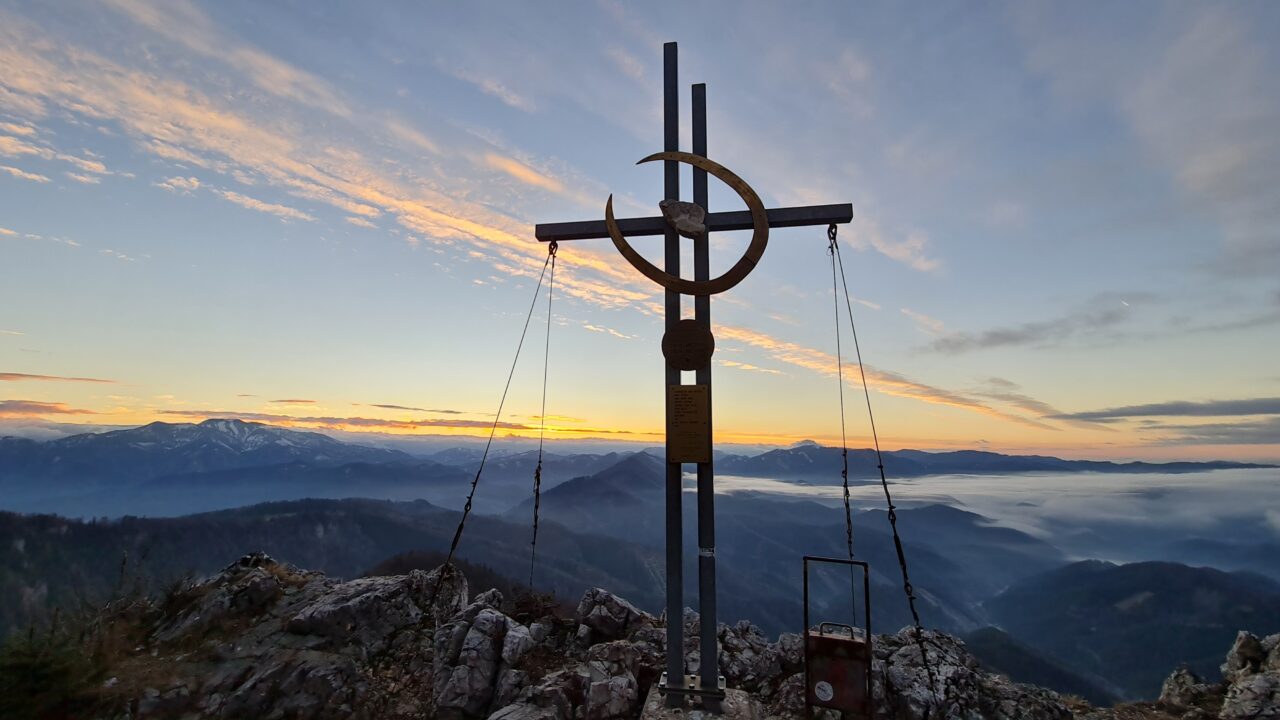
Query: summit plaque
<point x="688" y="424"/>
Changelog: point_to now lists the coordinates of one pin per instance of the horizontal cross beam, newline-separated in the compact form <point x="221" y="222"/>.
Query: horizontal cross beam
<point x="715" y="222"/>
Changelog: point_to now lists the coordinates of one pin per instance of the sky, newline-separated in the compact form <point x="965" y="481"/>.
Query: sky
<point x="321" y="215"/>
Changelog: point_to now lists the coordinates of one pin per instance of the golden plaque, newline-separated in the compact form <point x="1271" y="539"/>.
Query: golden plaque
<point x="688" y="424"/>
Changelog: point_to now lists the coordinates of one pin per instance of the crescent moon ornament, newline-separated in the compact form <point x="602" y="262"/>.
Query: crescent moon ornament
<point x="731" y="277"/>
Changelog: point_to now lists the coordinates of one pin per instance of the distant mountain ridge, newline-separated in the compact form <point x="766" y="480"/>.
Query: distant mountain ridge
<point x="181" y="468"/>
<point x="812" y="461"/>
<point x="172" y="448"/>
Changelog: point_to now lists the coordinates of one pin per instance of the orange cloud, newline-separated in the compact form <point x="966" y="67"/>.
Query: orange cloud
<point x="177" y="122"/>
<point x="17" y="377"/>
<point x="522" y="172"/>
<point x="35" y="408"/>
<point x="23" y="174"/>
<point x="281" y="211"/>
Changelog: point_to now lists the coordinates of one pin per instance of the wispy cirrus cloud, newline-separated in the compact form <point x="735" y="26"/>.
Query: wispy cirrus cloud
<point x="184" y="23"/>
<point x="36" y="408"/>
<point x="749" y="367"/>
<point x="293" y="401"/>
<point x="283" y="212"/>
<point x="174" y="120"/>
<point x="1259" y="432"/>
<point x="927" y="324"/>
<point x="20" y="377"/>
<point x="1181" y="408"/>
<point x="493" y="87"/>
<point x="23" y="174"/>
<point x="1101" y="314"/>
<point x="523" y="172"/>
<point x="887" y="382"/>
<point x="179" y="184"/>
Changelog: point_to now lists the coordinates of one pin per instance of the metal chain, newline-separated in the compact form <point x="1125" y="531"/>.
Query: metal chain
<point x="844" y="443"/>
<point x="542" y="429"/>
<point x="884" y="483"/>
<point x="466" y="509"/>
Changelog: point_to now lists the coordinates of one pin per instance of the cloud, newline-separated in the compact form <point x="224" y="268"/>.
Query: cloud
<point x="413" y="137"/>
<point x="749" y="367"/>
<point x="1182" y="408"/>
<point x="19" y="377"/>
<point x="1260" y="432"/>
<point x="116" y="254"/>
<point x="23" y="174"/>
<point x="10" y="332"/>
<point x="173" y="120"/>
<point x="933" y="326"/>
<point x="1011" y="393"/>
<point x="15" y="147"/>
<point x="12" y="129"/>
<point x="913" y="250"/>
<point x="35" y="408"/>
<point x="360" y="222"/>
<point x="606" y="330"/>
<point x="405" y="407"/>
<point x="886" y="382"/>
<point x="7" y="231"/>
<point x="293" y="401"/>
<point x="522" y="172"/>
<point x="83" y="179"/>
<point x="495" y="88"/>
<point x="179" y="184"/>
<point x="183" y="23"/>
<point x="1196" y="86"/>
<point x="281" y="211"/>
<point x="1104" y="312"/>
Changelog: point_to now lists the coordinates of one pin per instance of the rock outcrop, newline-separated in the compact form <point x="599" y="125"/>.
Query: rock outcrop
<point x="262" y="639"/>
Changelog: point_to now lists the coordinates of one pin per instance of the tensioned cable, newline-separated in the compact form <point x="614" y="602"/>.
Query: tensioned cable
<point x="884" y="483"/>
<point x="542" y="429"/>
<point x="466" y="509"/>
<point x="844" y="443"/>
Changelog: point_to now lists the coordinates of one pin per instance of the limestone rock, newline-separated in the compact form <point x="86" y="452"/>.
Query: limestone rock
<point x="1182" y="689"/>
<point x="468" y="684"/>
<point x="686" y="218"/>
<point x="1245" y="657"/>
<point x="1254" y="696"/>
<point x="609" y="617"/>
<point x="365" y="611"/>
<point x="450" y="589"/>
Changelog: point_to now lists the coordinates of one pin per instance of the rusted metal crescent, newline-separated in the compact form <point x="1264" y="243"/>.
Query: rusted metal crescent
<point x="731" y="277"/>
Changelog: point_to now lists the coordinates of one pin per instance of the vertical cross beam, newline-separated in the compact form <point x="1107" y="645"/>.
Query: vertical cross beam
<point x="709" y="667"/>
<point x="674" y="519"/>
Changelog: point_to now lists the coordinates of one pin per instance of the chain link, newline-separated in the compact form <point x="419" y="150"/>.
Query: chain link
<point x="475" y="482"/>
<point x="542" y="429"/>
<point x="907" y="587"/>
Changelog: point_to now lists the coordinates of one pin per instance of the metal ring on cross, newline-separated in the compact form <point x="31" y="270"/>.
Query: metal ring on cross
<point x="731" y="277"/>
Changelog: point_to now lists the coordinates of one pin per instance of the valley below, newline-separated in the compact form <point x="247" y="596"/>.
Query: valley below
<point x="1090" y="578"/>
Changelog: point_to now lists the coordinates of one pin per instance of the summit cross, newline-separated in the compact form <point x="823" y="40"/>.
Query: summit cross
<point x="688" y="345"/>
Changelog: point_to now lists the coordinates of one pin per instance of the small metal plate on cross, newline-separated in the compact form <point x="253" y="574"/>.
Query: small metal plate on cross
<point x="688" y="345"/>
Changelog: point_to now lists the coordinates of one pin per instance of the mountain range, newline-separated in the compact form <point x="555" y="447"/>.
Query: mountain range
<point x="174" y="469"/>
<point x="221" y="488"/>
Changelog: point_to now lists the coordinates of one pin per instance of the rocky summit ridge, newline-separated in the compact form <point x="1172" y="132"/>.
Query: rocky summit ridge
<point x="263" y="639"/>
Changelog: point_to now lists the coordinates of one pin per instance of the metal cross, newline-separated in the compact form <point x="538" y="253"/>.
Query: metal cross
<point x="676" y="684"/>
